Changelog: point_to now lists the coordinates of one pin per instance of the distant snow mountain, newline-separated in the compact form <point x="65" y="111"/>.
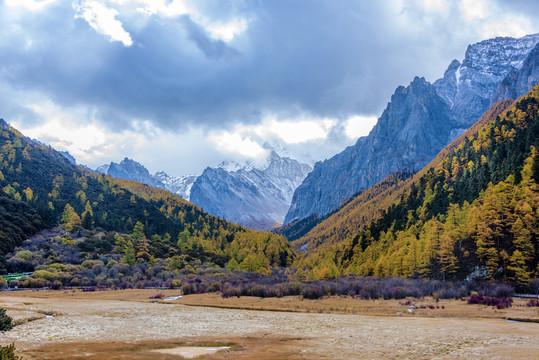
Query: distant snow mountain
<point x="256" y="195"/>
<point x="419" y="121"/>
<point x="177" y="185"/>
<point x="131" y="170"/>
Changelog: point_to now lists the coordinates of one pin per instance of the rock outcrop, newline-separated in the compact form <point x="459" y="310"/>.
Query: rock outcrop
<point x="419" y="121"/>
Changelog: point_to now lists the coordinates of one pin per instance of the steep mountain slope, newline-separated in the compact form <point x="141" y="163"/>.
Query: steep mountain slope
<point x="58" y="190"/>
<point x="256" y="198"/>
<point x="475" y="205"/>
<point x="417" y="123"/>
<point x="362" y="209"/>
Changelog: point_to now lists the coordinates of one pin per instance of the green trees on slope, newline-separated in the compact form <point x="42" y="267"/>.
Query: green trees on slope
<point x="477" y="207"/>
<point x="37" y="177"/>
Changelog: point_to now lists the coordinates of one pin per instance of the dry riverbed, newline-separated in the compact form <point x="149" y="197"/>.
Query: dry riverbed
<point x="131" y="325"/>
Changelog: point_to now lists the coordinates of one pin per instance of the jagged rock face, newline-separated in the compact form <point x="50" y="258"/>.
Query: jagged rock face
<point x="408" y="135"/>
<point x="471" y="87"/>
<point x="418" y="122"/>
<point x="177" y="185"/>
<point x="522" y="80"/>
<point x="253" y="197"/>
<point x="131" y="170"/>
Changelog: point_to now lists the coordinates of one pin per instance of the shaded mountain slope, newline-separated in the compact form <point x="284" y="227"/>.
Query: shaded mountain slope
<point x="476" y="205"/>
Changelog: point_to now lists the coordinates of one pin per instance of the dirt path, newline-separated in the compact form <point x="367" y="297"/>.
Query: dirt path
<point x="92" y="326"/>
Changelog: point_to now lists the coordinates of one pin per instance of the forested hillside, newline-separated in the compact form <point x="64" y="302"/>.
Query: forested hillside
<point x="476" y="204"/>
<point x="47" y="190"/>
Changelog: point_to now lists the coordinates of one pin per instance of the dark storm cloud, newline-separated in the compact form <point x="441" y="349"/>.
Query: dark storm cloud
<point x="320" y="58"/>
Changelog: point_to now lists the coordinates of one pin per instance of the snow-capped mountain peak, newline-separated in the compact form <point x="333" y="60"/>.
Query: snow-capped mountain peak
<point x="256" y="194"/>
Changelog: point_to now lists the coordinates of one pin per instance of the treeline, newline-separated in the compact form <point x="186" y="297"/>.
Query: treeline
<point x="59" y="192"/>
<point x="477" y="207"/>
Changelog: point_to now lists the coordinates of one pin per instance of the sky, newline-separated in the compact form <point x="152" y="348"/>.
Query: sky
<point x="180" y="85"/>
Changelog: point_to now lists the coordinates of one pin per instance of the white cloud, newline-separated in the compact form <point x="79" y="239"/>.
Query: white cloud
<point x="358" y="126"/>
<point x="33" y="5"/>
<point x="509" y="25"/>
<point x="163" y="7"/>
<point x="89" y="143"/>
<point x="489" y="20"/>
<point x="292" y="131"/>
<point x="226" y="31"/>
<point x="245" y="140"/>
<point x="103" y="20"/>
<point x="474" y="9"/>
<point x="435" y="5"/>
<point x="235" y="143"/>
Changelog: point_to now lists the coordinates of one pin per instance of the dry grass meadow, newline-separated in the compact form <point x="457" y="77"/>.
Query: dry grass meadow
<point x="129" y="324"/>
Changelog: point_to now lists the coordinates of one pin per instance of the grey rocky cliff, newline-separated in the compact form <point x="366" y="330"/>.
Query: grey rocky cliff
<point x="410" y="132"/>
<point x="419" y="121"/>
<point x="522" y="80"/>
<point x="253" y="197"/>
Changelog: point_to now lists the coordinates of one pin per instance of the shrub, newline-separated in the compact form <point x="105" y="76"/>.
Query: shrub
<point x="503" y="291"/>
<point x="188" y="288"/>
<point x="311" y="291"/>
<point x="214" y="287"/>
<point x="176" y="283"/>
<point x="533" y="287"/>
<point x="8" y="353"/>
<point x="6" y="322"/>
<point x="157" y="296"/>
<point x="498" y="302"/>
<point x="44" y="274"/>
<point x="532" y="303"/>
<point x="56" y="285"/>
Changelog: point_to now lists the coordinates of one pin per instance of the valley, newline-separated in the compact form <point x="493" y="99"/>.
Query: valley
<point x="360" y="208"/>
<point x="128" y="325"/>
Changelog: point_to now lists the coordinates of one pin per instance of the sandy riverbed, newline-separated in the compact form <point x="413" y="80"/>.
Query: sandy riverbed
<point x="129" y="325"/>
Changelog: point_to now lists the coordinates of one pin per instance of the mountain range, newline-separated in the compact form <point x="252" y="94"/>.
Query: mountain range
<point x="253" y="195"/>
<point x="418" y="122"/>
<point x="129" y="169"/>
<point x="444" y="186"/>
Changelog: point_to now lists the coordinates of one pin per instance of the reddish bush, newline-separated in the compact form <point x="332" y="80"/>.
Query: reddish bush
<point x="498" y="302"/>
<point x="532" y="303"/>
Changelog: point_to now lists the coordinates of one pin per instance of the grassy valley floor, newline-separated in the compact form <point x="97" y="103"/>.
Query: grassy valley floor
<point x="131" y="324"/>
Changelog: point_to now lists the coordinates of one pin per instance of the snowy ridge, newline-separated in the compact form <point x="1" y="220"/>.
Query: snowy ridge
<point x="178" y="185"/>
<point x="255" y="195"/>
